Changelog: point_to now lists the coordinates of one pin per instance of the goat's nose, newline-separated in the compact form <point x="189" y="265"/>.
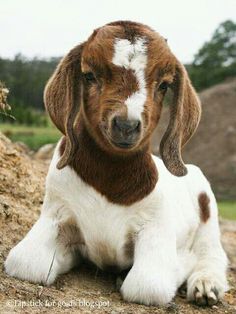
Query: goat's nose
<point x="126" y="126"/>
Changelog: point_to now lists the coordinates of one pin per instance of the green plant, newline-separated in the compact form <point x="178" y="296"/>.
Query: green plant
<point x="216" y="60"/>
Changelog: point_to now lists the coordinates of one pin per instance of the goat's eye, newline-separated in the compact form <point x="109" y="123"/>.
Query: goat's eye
<point x="89" y="77"/>
<point x="163" y="86"/>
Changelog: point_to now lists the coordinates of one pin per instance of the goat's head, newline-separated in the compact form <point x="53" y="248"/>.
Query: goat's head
<point x="116" y="81"/>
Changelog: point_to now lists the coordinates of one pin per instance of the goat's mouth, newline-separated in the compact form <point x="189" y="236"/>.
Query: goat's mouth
<point x="123" y="144"/>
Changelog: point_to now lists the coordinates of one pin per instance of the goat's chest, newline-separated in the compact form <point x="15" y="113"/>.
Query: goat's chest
<point x="108" y="230"/>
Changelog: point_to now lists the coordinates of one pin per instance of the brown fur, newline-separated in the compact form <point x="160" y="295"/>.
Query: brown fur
<point x="106" y="258"/>
<point x="184" y="118"/>
<point x="129" y="245"/>
<point x="70" y="235"/>
<point x="204" y="201"/>
<point x="62" y="97"/>
<point x="83" y="111"/>
<point x="123" y="180"/>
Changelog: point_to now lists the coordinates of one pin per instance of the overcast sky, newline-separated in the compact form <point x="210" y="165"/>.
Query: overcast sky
<point x="47" y="28"/>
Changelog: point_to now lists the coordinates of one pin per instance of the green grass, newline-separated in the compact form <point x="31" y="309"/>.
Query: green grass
<point x="32" y="136"/>
<point x="227" y="209"/>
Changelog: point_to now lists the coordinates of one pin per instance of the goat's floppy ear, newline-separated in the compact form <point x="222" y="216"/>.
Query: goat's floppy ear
<point x="62" y="97"/>
<point x="185" y="112"/>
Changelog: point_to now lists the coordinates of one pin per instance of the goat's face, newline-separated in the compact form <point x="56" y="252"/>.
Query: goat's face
<point x="116" y="82"/>
<point x="125" y="77"/>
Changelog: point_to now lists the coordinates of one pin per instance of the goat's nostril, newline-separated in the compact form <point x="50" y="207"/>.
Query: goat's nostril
<point x="126" y="126"/>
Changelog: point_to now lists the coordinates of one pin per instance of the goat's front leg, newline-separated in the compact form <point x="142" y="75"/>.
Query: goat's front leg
<point x="208" y="281"/>
<point x="41" y="256"/>
<point x="153" y="279"/>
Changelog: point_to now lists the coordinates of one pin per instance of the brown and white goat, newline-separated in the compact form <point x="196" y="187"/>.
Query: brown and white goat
<point x="107" y="198"/>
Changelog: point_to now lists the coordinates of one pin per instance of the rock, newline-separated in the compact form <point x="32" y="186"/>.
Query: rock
<point x="22" y="147"/>
<point x="45" y="152"/>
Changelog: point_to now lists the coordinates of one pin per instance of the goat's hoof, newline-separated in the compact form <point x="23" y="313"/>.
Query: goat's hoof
<point x="206" y="297"/>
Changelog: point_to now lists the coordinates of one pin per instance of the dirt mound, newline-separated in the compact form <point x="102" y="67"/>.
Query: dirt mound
<point x="83" y="290"/>
<point x="213" y="146"/>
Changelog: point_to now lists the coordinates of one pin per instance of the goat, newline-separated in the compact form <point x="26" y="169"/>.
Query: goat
<point x="108" y="199"/>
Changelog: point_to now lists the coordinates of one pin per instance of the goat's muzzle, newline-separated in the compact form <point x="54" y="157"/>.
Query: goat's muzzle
<point x="125" y="133"/>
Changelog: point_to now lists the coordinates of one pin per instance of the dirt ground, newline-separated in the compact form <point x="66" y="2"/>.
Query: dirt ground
<point x="83" y="290"/>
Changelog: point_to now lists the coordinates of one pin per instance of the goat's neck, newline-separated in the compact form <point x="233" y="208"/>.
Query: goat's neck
<point x="122" y="179"/>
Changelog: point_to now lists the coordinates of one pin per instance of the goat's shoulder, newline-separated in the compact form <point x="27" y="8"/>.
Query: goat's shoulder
<point x="194" y="172"/>
<point x="194" y="182"/>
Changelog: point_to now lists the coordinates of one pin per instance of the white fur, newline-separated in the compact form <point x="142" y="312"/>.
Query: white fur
<point x="133" y="56"/>
<point x="172" y="244"/>
<point x="32" y="257"/>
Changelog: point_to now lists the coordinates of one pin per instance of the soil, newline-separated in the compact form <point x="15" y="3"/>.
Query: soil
<point x="83" y="290"/>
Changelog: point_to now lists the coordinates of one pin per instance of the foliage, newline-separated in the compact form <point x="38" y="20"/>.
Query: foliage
<point x="216" y="60"/>
<point x="4" y="106"/>
<point x="26" y="79"/>
<point x="27" y="115"/>
<point x="3" y="97"/>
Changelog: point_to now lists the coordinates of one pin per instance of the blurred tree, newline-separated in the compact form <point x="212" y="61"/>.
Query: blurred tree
<point x="26" y="80"/>
<point x="216" y="60"/>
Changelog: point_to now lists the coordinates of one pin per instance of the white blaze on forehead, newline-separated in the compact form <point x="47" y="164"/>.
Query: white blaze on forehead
<point x="133" y="56"/>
